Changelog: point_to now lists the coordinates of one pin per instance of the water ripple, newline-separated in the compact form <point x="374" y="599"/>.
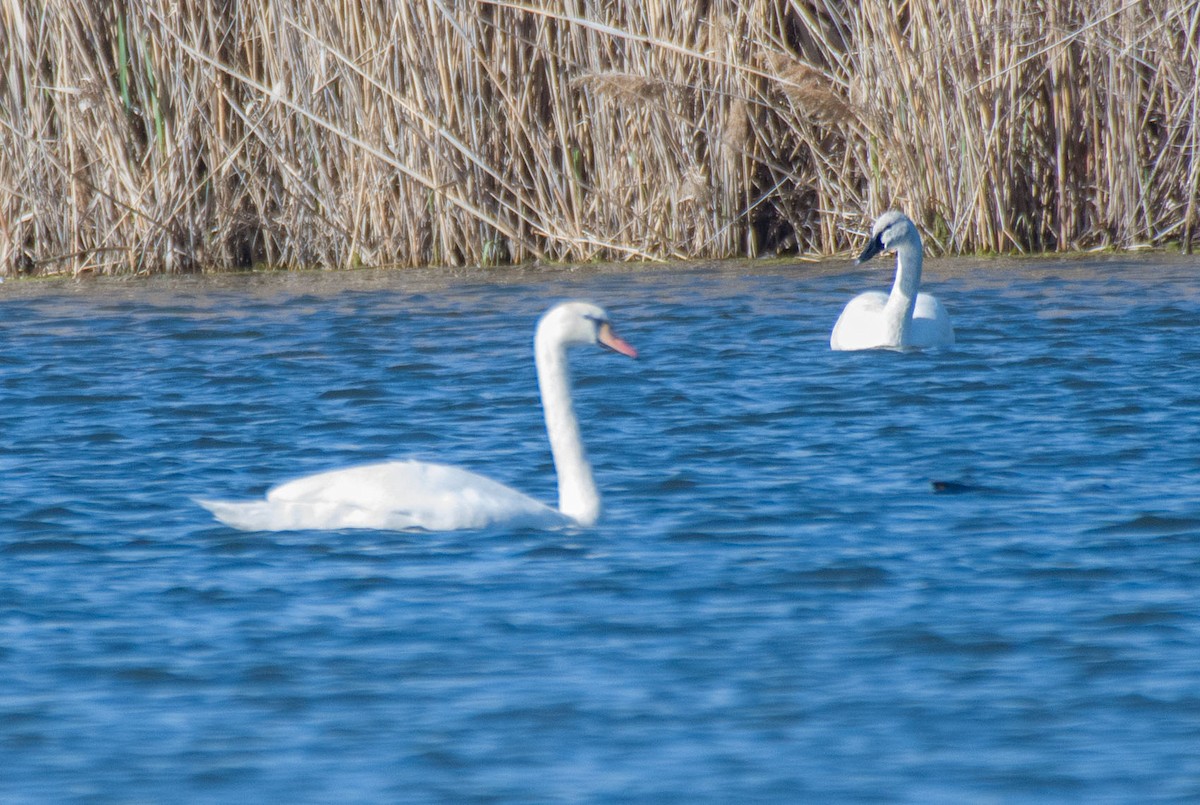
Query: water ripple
<point x="955" y="576"/>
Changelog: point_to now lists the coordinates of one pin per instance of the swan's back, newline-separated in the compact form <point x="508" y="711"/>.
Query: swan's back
<point x="393" y="496"/>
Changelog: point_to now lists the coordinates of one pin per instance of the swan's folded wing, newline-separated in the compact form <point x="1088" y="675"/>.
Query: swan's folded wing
<point x="931" y="323"/>
<point x="859" y="325"/>
<point x="395" y="496"/>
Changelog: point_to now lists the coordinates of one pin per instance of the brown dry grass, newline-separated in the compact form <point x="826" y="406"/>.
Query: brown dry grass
<point x="175" y="135"/>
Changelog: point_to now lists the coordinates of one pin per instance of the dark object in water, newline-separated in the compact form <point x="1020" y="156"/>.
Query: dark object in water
<point x="955" y="487"/>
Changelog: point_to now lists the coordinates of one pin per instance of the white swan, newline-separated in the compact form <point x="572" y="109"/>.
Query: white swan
<point x="905" y="318"/>
<point x="411" y="495"/>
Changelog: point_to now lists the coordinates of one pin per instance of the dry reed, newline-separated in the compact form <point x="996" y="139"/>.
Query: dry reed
<point x="169" y="136"/>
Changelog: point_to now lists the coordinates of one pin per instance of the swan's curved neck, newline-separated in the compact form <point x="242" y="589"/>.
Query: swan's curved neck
<point x="578" y="497"/>
<point x="898" y="312"/>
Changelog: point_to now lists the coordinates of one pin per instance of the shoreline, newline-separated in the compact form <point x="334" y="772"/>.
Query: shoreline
<point x="942" y="267"/>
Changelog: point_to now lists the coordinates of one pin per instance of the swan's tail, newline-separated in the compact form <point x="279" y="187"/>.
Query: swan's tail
<point x="245" y="515"/>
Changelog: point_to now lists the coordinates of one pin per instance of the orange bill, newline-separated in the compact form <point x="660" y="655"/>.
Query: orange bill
<point x="614" y="342"/>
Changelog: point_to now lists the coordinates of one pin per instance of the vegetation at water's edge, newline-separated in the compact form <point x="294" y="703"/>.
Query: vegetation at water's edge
<point x="169" y="134"/>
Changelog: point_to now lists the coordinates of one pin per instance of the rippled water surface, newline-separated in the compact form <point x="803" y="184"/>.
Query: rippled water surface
<point x="965" y="575"/>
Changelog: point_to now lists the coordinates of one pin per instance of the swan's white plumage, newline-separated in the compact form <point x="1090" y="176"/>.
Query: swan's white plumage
<point x="391" y="496"/>
<point x="905" y="318"/>
<point x="862" y="324"/>
<point x="410" y="495"/>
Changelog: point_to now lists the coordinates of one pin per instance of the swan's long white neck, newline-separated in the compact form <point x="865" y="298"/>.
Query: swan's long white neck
<point x="898" y="312"/>
<point x="578" y="497"/>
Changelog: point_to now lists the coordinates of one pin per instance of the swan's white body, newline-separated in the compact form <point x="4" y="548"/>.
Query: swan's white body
<point x="391" y="496"/>
<point x="905" y="318"/>
<point x="409" y="495"/>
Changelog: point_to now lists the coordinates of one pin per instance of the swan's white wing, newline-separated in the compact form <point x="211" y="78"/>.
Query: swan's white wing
<point x="860" y="325"/>
<point x="394" y="496"/>
<point x="931" y="325"/>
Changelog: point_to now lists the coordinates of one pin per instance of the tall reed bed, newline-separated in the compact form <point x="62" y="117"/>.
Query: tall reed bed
<point x="176" y="134"/>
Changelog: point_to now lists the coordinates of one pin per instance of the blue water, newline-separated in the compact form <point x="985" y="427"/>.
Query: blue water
<point x="779" y="604"/>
